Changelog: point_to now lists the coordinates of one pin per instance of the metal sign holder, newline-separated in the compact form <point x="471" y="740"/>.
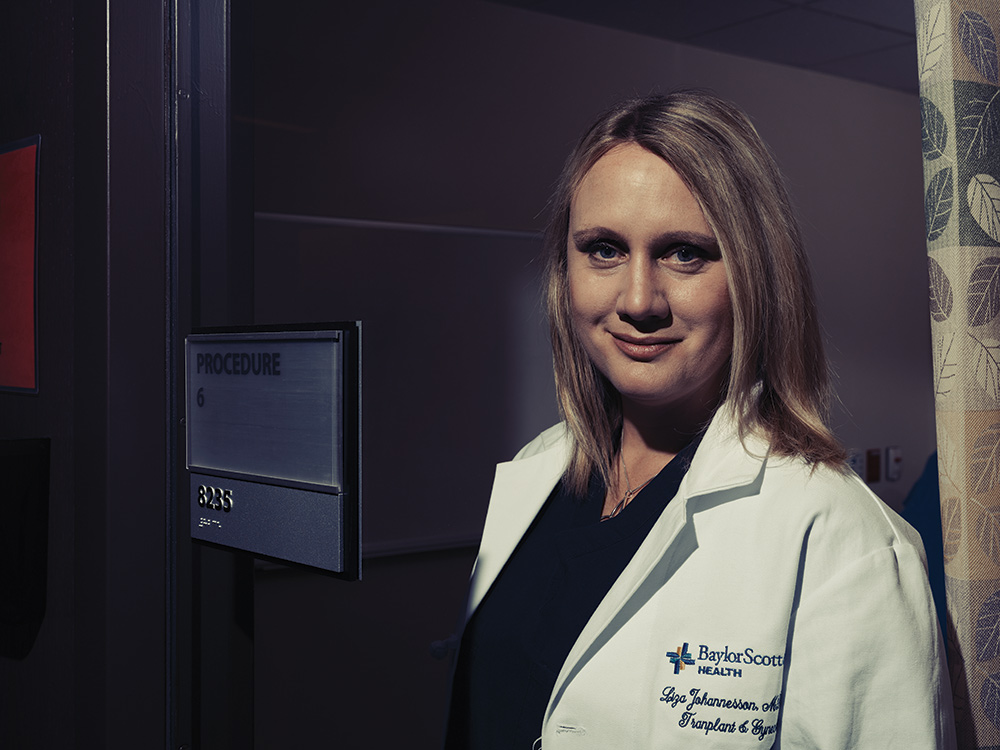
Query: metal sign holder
<point x="273" y="428"/>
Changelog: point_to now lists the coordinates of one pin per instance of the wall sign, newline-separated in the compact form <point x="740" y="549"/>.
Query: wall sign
<point x="273" y="428"/>
<point x="18" y="222"/>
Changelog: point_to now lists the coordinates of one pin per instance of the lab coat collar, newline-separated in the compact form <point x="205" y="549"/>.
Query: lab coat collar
<point x="521" y="487"/>
<point x="723" y="461"/>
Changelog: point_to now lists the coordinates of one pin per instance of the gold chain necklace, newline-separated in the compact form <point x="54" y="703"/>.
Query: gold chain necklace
<point x="629" y="492"/>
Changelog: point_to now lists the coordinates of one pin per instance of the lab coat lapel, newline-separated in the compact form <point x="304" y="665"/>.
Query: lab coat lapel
<point x="637" y="583"/>
<point x="723" y="469"/>
<point x="520" y="488"/>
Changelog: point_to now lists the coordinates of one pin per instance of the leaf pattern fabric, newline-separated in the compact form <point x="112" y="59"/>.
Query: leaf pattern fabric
<point x="942" y="298"/>
<point x="974" y="155"/>
<point x="988" y="534"/>
<point x="945" y="365"/>
<point x="988" y="629"/>
<point x="984" y="463"/>
<point x="990" y="698"/>
<point x="951" y="526"/>
<point x="983" y="195"/>
<point x="979" y="44"/>
<point x="987" y="366"/>
<point x="938" y="203"/>
<point x="935" y="129"/>
<point x="980" y="123"/>
<point x="931" y="38"/>
<point x="984" y="292"/>
<point x="958" y="66"/>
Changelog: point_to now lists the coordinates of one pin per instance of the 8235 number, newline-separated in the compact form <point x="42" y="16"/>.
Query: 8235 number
<point x="215" y="498"/>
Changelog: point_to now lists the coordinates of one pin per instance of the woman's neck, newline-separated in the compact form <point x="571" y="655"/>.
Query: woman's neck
<point x="662" y="430"/>
<point x="650" y="439"/>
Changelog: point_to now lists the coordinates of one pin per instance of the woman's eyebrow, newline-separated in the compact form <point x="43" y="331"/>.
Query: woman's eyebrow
<point x="589" y="234"/>
<point x="687" y="238"/>
<point x="682" y="237"/>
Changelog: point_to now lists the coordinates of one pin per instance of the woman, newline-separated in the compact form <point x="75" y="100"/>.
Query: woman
<point x="685" y="561"/>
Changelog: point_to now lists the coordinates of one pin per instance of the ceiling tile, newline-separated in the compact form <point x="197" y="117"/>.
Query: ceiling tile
<point x="893" y="67"/>
<point x="798" y="37"/>
<point x="890" y="14"/>
<point x="869" y="40"/>
<point x="678" y="20"/>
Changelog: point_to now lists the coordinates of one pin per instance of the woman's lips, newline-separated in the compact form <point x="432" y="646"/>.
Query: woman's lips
<point x="642" y="349"/>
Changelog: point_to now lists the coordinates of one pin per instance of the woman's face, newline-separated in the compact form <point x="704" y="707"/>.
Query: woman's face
<point x="647" y="284"/>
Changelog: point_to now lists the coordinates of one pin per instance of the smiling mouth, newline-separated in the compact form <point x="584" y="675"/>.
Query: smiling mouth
<point x="642" y="349"/>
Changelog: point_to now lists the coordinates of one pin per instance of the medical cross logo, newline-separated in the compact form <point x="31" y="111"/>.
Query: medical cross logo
<point x="680" y="658"/>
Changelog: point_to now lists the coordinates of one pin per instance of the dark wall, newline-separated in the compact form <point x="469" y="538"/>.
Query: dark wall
<point x="96" y="675"/>
<point x="351" y="665"/>
<point x="456" y="372"/>
<point x="37" y="696"/>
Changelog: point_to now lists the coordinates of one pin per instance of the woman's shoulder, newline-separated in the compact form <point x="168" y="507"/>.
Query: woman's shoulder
<point x="835" y="502"/>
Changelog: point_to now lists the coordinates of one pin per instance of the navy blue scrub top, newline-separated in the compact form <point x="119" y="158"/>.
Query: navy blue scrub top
<point x="518" y="638"/>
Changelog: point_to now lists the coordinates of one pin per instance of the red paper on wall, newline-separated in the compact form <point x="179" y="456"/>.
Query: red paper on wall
<point x="18" y="170"/>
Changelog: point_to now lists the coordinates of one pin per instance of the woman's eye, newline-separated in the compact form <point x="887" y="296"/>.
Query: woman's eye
<point x="687" y="254"/>
<point x="603" y="251"/>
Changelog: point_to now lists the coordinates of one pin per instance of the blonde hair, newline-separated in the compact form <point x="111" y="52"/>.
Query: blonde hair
<point x="778" y="384"/>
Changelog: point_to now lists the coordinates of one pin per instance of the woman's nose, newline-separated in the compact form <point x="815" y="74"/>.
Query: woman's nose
<point x="643" y="296"/>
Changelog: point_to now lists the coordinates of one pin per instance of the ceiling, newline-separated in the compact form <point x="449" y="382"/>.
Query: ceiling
<point x="865" y="40"/>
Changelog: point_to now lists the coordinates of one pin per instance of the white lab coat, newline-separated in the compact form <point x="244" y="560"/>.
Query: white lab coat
<point x="798" y="601"/>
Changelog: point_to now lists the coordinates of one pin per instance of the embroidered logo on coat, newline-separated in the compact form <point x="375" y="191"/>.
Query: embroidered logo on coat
<point x="716" y="661"/>
<point x="680" y="657"/>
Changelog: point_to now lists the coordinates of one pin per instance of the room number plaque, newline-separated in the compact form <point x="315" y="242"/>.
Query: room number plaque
<point x="273" y="428"/>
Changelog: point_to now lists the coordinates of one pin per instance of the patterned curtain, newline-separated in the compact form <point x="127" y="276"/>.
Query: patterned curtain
<point x="960" y="107"/>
